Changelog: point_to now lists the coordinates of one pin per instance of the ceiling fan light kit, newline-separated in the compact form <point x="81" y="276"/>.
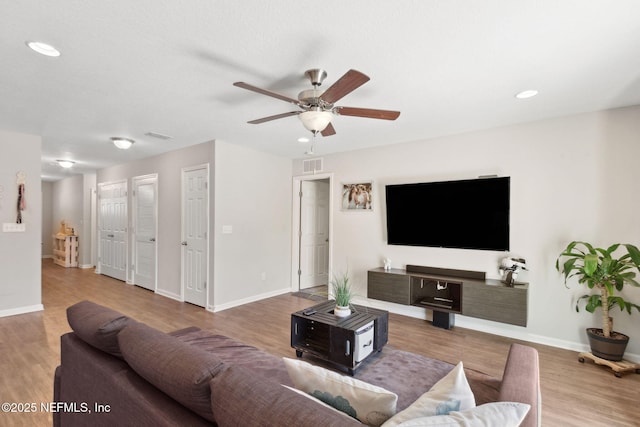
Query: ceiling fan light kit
<point x="317" y="109"/>
<point x="315" y="120"/>
<point x="122" y="143"/>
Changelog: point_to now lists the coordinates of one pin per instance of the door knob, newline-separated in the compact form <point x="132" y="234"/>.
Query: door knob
<point x="153" y="239"/>
<point x="184" y="243"/>
<point x="110" y="235"/>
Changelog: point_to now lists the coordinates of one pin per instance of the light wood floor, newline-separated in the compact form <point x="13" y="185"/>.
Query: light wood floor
<point x="573" y="394"/>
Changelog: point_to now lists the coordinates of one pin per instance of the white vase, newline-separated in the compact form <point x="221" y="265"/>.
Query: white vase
<point x="342" y="311"/>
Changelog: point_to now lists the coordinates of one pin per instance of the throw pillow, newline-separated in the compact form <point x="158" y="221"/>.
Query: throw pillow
<point x="495" y="414"/>
<point x="370" y="404"/>
<point x="451" y="393"/>
<point x="97" y="325"/>
<point x="178" y="369"/>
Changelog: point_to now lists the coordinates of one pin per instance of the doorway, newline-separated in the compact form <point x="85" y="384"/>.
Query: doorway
<point x="145" y="219"/>
<point x="312" y="201"/>
<point x="112" y="229"/>
<point x="195" y="232"/>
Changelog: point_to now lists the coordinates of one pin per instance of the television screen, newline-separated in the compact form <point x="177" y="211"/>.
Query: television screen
<point x="467" y="214"/>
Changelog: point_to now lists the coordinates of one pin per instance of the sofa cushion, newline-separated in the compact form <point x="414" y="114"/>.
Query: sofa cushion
<point x="503" y="414"/>
<point x="451" y="393"/>
<point x="239" y="398"/>
<point x="178" y="369"/>
<point x="98" y="326"/>
<point x="370" y="404"/>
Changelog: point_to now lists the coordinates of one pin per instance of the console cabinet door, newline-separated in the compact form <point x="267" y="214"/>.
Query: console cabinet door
<point x="389" y="287"/>
<point x="497" y="303"/>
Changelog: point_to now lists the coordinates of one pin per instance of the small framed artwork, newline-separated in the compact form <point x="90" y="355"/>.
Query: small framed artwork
<point x="357" y="196"/>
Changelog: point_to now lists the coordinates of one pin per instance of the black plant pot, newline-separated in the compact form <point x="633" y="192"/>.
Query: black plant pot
<point x="607" y="348"/>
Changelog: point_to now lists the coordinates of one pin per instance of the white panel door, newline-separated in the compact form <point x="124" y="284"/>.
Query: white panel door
<point x="144" y="229"/>
<point x="195" y="224"/>
<point x="112" y="225"/>
<point x="314" y="233"/>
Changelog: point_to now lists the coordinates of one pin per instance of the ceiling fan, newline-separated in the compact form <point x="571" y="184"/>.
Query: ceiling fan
<point x="318" y="108"/>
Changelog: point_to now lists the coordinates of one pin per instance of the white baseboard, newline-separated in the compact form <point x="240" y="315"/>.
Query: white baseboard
<point x="85" y="266"/>
<point x="509" y="331"/>
<point x="169" y="295"/>
<point x="236" y="303"/>
<point x="21" y="310"/>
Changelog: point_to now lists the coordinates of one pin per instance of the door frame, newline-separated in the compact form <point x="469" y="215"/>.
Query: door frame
<point x="295" y="229"/>
<point x="209" y="290"/>
<point x="126" y="233"/>
<point x="134" y="224"/>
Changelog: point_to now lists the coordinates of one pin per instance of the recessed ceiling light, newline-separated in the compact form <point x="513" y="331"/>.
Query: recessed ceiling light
<point x="43" y="48"/>
<point x="65" y="163"/>
<point x="122" y="143"/>
<point x="303" y="139"/>
<point x="526" y="94"/>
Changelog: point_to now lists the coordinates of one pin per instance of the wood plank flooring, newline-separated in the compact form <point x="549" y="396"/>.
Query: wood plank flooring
<point x="573" y="394"/>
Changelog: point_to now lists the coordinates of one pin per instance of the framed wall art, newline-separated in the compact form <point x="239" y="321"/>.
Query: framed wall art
<point x="357" y="196"/>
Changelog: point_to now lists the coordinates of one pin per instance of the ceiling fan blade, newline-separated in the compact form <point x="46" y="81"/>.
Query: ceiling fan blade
<point x="328" y="131"/>
<point x="367" y="112"/>
<point x="346" y="84"/>
<point x="275" y="117"/>
<point x="247" y="86"/>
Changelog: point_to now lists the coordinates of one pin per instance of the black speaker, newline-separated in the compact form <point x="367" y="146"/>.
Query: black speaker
<point x="442" y="319"/>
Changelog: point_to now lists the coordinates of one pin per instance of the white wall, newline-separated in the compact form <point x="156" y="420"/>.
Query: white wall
<point x="20" y="253"/>
<point x="253" y="196"/>
<point x="168" y="166"/>
<point x="251" y="192"/>
<point x="572" y="178"/>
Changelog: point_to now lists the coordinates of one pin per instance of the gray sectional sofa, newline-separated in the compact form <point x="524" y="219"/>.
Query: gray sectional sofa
<point x="117" y="371"/>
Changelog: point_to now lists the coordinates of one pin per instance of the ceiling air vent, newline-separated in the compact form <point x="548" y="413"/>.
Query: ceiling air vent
<point x="312" y="165"/>
<point x="158" y="135"/>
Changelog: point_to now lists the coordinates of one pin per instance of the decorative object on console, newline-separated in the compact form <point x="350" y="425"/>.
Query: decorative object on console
<point x="509" y="268"/>
<point x="342" y="294"/>
<point x="387" y="264"/>
<point x="357" y="196"/>
<point x="600" y="270"/>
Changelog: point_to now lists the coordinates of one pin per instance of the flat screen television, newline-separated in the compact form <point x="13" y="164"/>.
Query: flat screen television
<point x="465" y="214"/>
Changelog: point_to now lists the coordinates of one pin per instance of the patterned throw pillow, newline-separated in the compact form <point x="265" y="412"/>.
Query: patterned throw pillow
<point x="370" y="404"/>
<point x="451" y="393"/>
<point x="494" y="414"/>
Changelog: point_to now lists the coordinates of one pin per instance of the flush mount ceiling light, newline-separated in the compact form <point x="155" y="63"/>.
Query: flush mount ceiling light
<point x="122" y="143"/>
<point x="66" y="163"/>
<point x="315" y="120"/>
<point x="43" y="48"/>
<point x="527" y="94"/>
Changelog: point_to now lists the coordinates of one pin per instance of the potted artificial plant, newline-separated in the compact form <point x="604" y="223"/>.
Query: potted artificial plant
<point x="342" y="294"/>
<point x="606" y="274"/>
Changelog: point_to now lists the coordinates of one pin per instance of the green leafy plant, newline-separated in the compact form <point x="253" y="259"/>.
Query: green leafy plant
<point x="342" y="292"/>
<point x="598" y="269"/>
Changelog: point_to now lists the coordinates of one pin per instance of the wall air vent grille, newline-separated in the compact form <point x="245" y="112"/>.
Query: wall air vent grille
<point x="312" y="165"/>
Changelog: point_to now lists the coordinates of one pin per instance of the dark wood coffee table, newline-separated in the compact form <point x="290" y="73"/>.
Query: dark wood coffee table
<point x="344" y="341"/>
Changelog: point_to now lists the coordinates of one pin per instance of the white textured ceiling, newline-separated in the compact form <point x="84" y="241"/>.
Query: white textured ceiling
<point x="167" y="66"/>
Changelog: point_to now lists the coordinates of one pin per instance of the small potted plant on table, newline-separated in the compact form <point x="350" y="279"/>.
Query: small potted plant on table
<point x="600" y="271"/>
<point x="342" y="294"/>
